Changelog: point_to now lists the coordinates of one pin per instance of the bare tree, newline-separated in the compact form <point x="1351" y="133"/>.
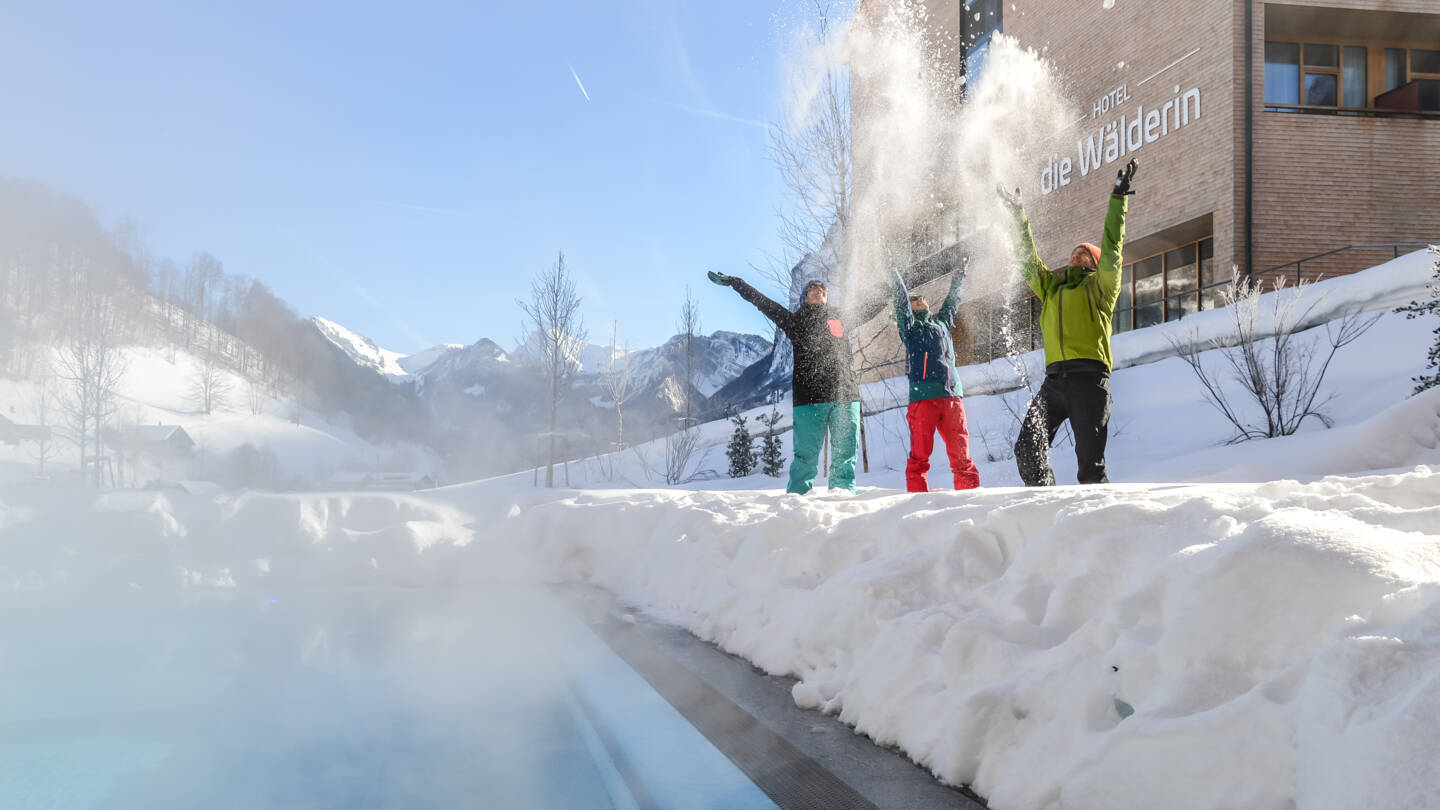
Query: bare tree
<point x="1276" y="370"/>
<point x="813" y="155"/>
<point x="91" y="367"/>
<point x="553" y="315"/>
<point x="616" y="382"/>
<point x="43" y="404"/>
<point x="689" y="327"/>
<point x="255" y="396"/>
<point x="210" y="387"/>
<point x="680" y="448"/>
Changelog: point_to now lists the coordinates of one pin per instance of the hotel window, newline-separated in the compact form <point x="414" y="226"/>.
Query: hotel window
<point x="1417" y="66"/>
<point x="1168" y="286"/>
<point x="1394" y="68"/>
<point x="981" y="20"/>
<point x="1425" y="72"/>
<point x="1282" y="73"/>
<point x="1328" y="75"/>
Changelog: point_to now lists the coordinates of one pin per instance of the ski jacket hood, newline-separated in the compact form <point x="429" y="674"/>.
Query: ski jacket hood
<point x="1076" y="311"/>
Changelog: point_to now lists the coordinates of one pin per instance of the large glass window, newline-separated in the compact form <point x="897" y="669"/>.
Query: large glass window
<point x="1429" y="94"/>
<point x="1210" y="276"/>
<point x="1424" y="61"/>
<point x="1425" y="72"/>
<point x="1321" y="74"/>
<point x="1394" y="68"/>
<point x="1282" y="73"/>
<point x="1169" y="286"/>
<point x="1321" y="90"/>
<point x="1123" y="314"/>
<point x="1149" y="291"/>
<point x="1321" y="56"/>
<point x="1356" y="77"/>
<point x="1181" y="280"/>
<point x="982" y="20"/>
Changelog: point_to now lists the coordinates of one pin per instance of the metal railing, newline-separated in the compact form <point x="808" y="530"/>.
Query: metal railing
<point x="1352" y="112"/>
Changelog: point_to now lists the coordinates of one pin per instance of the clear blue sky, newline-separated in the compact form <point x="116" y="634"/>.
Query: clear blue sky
<point x="405" y="170"/>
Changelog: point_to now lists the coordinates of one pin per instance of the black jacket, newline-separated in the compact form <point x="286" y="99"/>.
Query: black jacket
<point x="823" y="368"/>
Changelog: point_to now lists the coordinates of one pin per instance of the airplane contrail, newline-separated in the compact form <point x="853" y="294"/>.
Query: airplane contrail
<point x="577" y="81"/>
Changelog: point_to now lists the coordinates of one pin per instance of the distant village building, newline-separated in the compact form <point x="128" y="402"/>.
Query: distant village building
<point x="12" y="433"/>
<point x="154" y="441"/>
<point x="382" y="482"/>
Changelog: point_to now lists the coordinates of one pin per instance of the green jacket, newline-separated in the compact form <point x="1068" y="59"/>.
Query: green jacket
<point x="929" y="350"/>
<point x="1076" y="312"/>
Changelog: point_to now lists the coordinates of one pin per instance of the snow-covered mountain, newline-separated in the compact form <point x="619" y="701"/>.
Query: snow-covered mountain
<point x="361" y="349"/>
<point x="483" y="367"/>
<point x="719" y="358"/>
<point x="464" y="366"/>
<point x="366" y="354"/>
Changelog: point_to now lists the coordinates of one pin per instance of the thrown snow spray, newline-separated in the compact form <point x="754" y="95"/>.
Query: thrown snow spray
<point x="925" y="165"/>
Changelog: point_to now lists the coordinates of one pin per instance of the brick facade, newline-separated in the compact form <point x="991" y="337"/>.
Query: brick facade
<point x="1323" y="181"/>
<point x="1319" y="181"/>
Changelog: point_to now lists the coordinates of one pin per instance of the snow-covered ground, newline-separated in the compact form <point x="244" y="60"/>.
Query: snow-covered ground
<point x="1254" y="625"/>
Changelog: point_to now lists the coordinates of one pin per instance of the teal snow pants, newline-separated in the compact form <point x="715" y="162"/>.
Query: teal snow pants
<point x="842" y="419"/>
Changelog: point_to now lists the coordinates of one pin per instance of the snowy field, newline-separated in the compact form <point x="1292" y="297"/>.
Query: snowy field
<point x="1248" y="626"/>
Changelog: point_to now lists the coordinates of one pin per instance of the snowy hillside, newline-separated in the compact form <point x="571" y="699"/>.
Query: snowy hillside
<point x="289" y="445"/>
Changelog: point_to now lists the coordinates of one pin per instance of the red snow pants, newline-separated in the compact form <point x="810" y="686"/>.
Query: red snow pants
<point x="948" y="416"/>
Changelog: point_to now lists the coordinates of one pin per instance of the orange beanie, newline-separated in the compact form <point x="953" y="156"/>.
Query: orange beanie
<point x="1094" y="251"/>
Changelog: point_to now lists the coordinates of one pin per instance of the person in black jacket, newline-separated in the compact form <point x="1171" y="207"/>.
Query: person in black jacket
<point x="825" y="393"/>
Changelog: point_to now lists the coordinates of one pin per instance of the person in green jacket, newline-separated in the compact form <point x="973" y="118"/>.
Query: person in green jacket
<point x="1077" y="304"/>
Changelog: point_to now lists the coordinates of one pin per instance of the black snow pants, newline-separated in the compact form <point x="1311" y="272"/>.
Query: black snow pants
<point x="1078" y="390"/>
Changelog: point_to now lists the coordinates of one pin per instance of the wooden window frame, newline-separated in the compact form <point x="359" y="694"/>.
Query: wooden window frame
<point x="1374" y="73"/>
<point x="1164" y="301"/>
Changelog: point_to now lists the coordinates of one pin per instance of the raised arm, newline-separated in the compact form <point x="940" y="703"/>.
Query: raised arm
<point x="1112" y="245"/>
<point x="946" y="315"/>
<point x="1032" y="269"/>
<point x="781" y="316"/>
<point x="904" y="319"/>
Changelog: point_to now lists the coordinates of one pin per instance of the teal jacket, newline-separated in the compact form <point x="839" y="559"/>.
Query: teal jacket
<point x="929" y="349"/>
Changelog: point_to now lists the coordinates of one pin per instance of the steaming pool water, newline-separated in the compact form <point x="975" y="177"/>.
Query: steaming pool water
<point x="353" y="697"/>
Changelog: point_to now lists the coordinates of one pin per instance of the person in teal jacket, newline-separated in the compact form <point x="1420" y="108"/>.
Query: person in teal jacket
<point x="935" y="392"/>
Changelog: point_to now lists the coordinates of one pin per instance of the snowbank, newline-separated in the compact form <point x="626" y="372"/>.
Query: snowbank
<point x="1276" y="644"/>
<point x="1198" y="645"/>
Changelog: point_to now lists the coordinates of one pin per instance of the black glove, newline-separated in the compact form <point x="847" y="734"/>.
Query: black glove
<point x="719" y="278"/>
<point x="1010" y="199"/>
<point x="1123" y="178"/>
